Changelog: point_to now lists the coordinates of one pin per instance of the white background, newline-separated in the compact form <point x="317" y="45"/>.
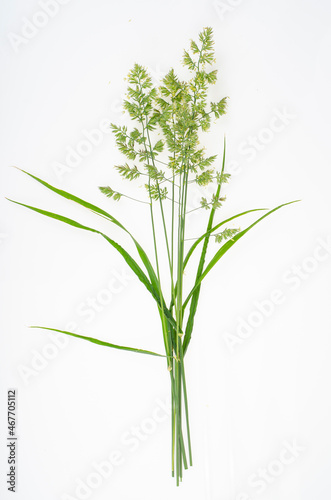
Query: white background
<point x="246" y="403"/>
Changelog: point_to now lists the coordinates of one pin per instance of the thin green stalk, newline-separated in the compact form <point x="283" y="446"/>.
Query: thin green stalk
<point x="181" y="353"/>
<point x="162" y="214"/>
<point x="186" y="404"/>
<point x="167" y="341"/>
<point x="175" y="394"/>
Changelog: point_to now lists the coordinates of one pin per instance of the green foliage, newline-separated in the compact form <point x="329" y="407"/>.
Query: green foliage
<point x="100" y="342"/>
<point x="154" y="174"/>
<point x="204" y="203"/>
<point x="225" y="235"/>
<point x="155" y="192"/>
<point x="206" y="162"/>
<point x="127" y="172"/>
<point x="188" y="61"/>
<point x="224" y="248"/>
<point x="141" y="94"/>
<point x="168" y="123"/>
<point x="124" y="142"/>
<point x="110" y="193"/>
<point x="205" y="178"/>
<point x="219" y="108"/>
<point x="216" y="201"/>
<point x="179" y="109"/>
<point x="158" y="146"/>
<point x="222" y="178"/>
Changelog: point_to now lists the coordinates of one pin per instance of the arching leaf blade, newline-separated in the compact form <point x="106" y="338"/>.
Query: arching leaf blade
<point x="212" y="263"/>
<point x="127" y="257"/>
<point x="99" y="211"/>
<point x="228" y="245"/>
<point x="100" y="342"/>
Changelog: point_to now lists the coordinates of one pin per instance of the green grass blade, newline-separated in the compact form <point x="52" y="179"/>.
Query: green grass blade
<point x="76" y="199"/>
<point x="196" y="291"/>
<point x="100" y="342"/>
<point x="148" y="265"/>
<point x="127" y="257"/>
<point x="227" y="246"/>
<point x="99" y="211"/>
<point x="194" y="302"/>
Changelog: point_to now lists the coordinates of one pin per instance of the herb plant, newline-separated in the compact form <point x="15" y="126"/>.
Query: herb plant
<point x="163" y="148"/>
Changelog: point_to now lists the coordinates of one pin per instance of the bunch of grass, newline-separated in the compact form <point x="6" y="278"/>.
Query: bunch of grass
<point x="179" y="112"/>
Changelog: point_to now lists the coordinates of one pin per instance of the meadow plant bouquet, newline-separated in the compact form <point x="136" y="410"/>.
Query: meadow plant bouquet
<point x="163" y="149"/>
